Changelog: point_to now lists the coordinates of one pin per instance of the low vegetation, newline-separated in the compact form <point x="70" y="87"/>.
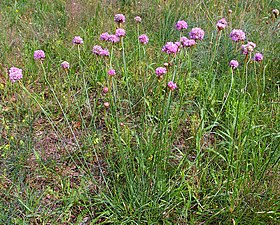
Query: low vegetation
<point x="139" y="112"/>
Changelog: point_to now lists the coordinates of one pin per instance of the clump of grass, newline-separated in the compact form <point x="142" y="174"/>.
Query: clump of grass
<point x="153" y="129"/>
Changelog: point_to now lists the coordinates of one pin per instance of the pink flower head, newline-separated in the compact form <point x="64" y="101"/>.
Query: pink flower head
<point x="137" y="19"/>
<point x="104" y="52"/>
<point x="172" y="86"/>
<point x="77" y="40"/>
<point x="187" y="42"/>
<point x="181" y="24"/>
<point x="119" y="18"/>
<point x="258" y="57"/>
<point x="111" y="72"/>
<point x="143" y="38"/>
<point x="97" y="49"/>
<point x="222" y="24"/>
<point x="113" y="38"/>
<point x="120" y="32"/>
<point x="39" y="54"/>
<point x="104" y="36"/>
<point x="252" y="44"/>
<point x="178" y="43"/>
<point x="245" y="49"/>
<point x="105" y="90"/>
<point x="65" y="65"/>
<point x="237" y="35"/>
<point x="196" y="34"/>
<point x="233" y="64"/>
<point x="183" y="40"/>
<point x="160" y="71"/>
<point x="15" y="74"/>
<point x="170" y="48"/>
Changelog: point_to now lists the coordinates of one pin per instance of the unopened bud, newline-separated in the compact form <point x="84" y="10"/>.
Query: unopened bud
<point x="105" y="90"/>
<point x="106" y="104"/>
<point x="275" y="12"/>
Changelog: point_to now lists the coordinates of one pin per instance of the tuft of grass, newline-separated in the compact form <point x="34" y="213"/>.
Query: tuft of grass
<point x="205" y="153"/>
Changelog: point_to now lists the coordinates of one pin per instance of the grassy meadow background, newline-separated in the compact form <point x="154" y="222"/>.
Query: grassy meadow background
<point x="205" y="153"/>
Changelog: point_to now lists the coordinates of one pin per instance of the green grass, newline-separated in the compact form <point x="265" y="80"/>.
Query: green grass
<point x="205" y="153"/>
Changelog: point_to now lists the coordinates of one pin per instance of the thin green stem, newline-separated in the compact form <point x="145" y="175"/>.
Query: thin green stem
<point x="84" y="82"/>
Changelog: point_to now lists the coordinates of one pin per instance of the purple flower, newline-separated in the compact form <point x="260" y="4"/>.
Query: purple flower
<point x="65" y="65"/>
<point x="258" y="57"/>
<point x="104" y="52"/>
<point x="111" y="72"/>
<point x="39" y="54"/>
<point x="187" y="42"/>
<point x="252" y="44"/>
<point x="15" y="74"/>
<point x="183" y="40"/>
<point x="245" y="49"/>
<point x="233" y="64"/>
<point x="160" y="71"/>
<point x="143" y="38"/>
<point x="170" y="48"/>
<point x="104" y="36"/>
<point x="181" y="24"/>
<point x="196" y="34"/>
<point x="120" y="32"/>
<point x="97" y="49"/>
<point x="113" y="38"/>
<point x="172" y="86"/>
<point x="178" y="43"/>
<point x="119" y="18"/>
<point x="221" y="24"/>
<point x="77" y="40"/>
<point x="237" y="35"/>
<point x="137" y="19"/>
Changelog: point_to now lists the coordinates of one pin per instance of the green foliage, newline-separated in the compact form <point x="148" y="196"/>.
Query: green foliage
<point x="205" y="153"/>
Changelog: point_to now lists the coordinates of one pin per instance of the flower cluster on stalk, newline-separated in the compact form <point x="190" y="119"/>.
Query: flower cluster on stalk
<point x="171" y="48"/>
